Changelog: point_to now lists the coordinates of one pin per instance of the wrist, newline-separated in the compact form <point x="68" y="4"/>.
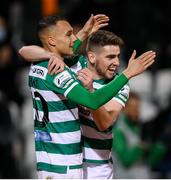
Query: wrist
<point x="127" y="73"/>
<point x="82" y="34"/>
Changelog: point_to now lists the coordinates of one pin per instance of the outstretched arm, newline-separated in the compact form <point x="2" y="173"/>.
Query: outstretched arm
<point x="98" y="98"/>
<point x="34" y="53"/>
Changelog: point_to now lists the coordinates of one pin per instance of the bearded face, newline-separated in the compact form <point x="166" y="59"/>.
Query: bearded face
<point x="107" y="61"/>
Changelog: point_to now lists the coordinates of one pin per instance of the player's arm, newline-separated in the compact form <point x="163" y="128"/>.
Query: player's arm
<point x="106" y="115"/>
<point x="105" y="118"/>
<point x="34" y="53"/>
<point x="96" y="99"/>
<point x="67" y="83"/>
<point x="78" y="94"/>
<point x="93" y="24"/>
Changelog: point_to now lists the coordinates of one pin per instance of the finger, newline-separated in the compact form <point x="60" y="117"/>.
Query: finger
<point x="141" y="57"/>
<point x="57" y="69"/>
<point x="50" y="61"/>
<point x="133" y="55"/>
<point x="149" y="64"/>
<point x="85" y="72"/>
<point x="147" y="57"/>
<point x="102" y="19"/>
<point x="151" y="58"/>
<point x="52" y="66"/>
<point x="100" y="16"/>
<point x="91" y="18"/>
<point x="80" y="78"/>
<point x="101" y="26"/>
<point x="82" y="74"/>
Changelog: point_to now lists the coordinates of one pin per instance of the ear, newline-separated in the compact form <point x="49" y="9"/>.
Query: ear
<point x="91" y="57"/>
<point x="51" y="41"/>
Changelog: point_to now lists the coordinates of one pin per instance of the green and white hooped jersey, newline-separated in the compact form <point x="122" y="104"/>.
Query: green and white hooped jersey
<point x="56" y="121"/>
<point x="97" y="145"/>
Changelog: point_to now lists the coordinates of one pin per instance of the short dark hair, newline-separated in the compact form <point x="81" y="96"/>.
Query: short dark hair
<point x="102" y="38"/>
<point x="48" y="21"/>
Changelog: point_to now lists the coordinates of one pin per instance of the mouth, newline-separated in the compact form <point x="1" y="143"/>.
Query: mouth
<point x="112" y="70"/>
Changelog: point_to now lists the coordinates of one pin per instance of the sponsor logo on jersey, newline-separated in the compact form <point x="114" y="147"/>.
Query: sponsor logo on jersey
<point x="38" y="71"/>
<point x="63" y="79"/>
<point x="42" y="136"/>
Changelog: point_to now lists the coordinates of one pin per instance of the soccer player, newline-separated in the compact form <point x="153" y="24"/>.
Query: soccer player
<point x="55" y="101"/>
<point x="103" y="54"/>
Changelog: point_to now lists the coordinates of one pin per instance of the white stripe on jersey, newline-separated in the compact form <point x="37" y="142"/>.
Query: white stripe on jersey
<point x="119" y="101"/>
<point x="57" y="159"/>
<point x="95" y="154"/>
<point x="69" y="89"/>
<point x="49" y="95"/>
<point x="60" y="116"/>
<point x="93" y="134"/>
<point x="97" y="85"/>
<point x="65" y="138"/>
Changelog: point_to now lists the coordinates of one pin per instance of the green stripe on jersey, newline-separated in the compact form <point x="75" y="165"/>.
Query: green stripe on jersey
<point x="67" y="149"/>
<point x="92" y="124"/>
<point x="37" y="83"/>
<point x="97" y="143"/>
<point x="55" y="168"/>
<point x="59" y="127"/>
<point x="96" y="161"/>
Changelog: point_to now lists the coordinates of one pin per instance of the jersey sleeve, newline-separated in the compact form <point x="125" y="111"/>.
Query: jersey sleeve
<point x="76" y="46"/>
<point x="62" y="82"/>
<point x="94" y="100"/>
<point x="66" y="84"/>
<point x="123" y="95"/>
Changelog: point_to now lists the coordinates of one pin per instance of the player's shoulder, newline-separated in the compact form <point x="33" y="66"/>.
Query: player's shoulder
<point x="39" y="70"/>
<point x="64" y="77"/>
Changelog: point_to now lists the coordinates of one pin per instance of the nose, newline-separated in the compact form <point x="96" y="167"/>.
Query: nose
<point x="74" y="38"/>
<point x="116" y="61"/>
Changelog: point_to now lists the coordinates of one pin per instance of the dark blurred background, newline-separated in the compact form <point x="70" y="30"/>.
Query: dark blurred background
<point x="143" y="25"/>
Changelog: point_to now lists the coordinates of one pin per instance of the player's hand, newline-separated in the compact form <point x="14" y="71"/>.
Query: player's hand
<point x="86" y="77"/>
<point x="100" y="21"/>
<point x="93" y="24"/>
<point x="55" y="65"/>
<point x="140" y="64"/>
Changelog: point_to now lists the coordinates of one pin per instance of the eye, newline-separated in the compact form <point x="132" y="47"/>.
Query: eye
<point x="69" y="33"/>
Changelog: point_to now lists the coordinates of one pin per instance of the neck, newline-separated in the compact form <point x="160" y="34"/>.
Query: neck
<point x="52" y="51"/>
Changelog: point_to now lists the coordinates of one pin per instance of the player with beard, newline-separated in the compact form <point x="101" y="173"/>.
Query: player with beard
<point x="97" y="144"/>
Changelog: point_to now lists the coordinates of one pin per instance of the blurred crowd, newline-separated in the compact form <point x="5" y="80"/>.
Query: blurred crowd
<point x="143" y="25"/>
